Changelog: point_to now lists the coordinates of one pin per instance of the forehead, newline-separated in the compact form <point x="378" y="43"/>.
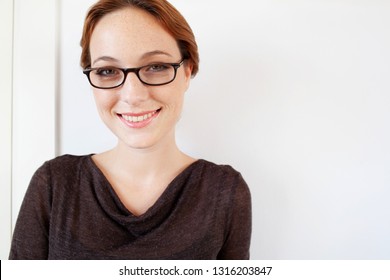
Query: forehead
<point x="128" y="34"/>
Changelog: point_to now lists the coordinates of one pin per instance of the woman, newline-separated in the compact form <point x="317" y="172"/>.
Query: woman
<point x="144" y="199"/>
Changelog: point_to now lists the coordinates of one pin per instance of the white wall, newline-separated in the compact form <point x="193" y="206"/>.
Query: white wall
<point x="6" y="27"/>
<point x="27" y="85"/>
<point x="295" y="95"/>
<point x="34" y="91"/>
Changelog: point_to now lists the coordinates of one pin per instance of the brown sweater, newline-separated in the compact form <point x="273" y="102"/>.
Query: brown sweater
<point x="70" y="211"/>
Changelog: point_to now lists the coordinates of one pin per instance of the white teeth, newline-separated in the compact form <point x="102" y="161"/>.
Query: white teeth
<point x="136" y="119"/>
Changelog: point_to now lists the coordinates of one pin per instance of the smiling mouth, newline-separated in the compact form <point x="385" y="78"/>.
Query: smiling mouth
<point x="139" y="118"/>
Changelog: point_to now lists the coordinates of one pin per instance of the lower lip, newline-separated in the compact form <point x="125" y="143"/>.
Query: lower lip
<point x="140" y="124"/>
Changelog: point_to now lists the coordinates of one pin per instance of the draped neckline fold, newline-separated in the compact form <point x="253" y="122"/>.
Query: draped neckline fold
<point x="162" y="210"/>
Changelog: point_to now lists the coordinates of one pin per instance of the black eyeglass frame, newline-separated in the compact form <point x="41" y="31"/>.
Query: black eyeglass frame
<point x="126" y="71"/>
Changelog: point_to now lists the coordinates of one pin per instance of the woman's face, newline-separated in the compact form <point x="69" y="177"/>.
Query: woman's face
<point x="141" y="116"/>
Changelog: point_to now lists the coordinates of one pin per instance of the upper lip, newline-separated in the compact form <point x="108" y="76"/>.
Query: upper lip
<point x="130" y="114"/>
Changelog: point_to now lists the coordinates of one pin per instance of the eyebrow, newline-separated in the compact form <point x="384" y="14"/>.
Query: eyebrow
<point x="156" y="52"/>
<point x="145" y="55"/>
<point x="105" y="58"/>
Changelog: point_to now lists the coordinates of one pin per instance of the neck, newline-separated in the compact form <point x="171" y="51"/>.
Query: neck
<point x="145" y="165"/>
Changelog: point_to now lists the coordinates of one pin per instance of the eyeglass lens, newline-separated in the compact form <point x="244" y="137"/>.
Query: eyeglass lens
<point x="154" y="74"/>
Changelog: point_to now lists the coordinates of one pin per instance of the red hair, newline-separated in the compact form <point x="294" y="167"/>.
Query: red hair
<point x="167" y="15"/>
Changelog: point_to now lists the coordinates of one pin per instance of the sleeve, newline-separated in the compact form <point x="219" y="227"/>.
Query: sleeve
<point x="237" y="242"/>
<point x="31" y="233"/>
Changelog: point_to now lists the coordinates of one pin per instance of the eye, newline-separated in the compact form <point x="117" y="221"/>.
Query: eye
<point x="107" y="72"/>
<point x="157" y="67"/>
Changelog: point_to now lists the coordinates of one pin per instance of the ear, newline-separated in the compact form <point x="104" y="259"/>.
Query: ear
<point x="187" y="73"/>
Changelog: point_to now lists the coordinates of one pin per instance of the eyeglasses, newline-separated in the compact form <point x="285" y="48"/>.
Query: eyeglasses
<point x="156" y="74"/>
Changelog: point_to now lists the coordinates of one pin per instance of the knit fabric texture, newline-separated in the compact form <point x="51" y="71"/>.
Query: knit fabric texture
<point x="70" y="211"/>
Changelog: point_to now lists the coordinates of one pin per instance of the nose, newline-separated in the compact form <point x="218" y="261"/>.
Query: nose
<point x="133" y="91"/>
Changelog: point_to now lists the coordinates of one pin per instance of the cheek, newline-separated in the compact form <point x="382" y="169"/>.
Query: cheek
<point x="172" y="99"/>
<point x="104" y="102"/>
<point x="177" y="107"/>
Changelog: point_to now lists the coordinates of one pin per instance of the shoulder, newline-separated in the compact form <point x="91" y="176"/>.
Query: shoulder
<point x="213" y="171"/>
<point x="60" y="168"/>
<point x="223" y="178"/>
<point x="65" y="163"/>
<point x="51" y="176"/>
<point x="67" y="160"/>
<point x="231" y="194"/>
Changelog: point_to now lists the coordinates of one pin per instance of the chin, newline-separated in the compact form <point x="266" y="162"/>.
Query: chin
<point x="146" y="139"/>
<point x="137" y="145"/>
<point x="141" y="142"/>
